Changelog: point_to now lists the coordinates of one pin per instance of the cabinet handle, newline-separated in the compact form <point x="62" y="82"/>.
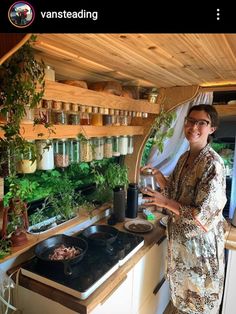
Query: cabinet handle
<point x="161" y="240"/>
<point x="113" y="290"/>
<point x="159" y="285"/>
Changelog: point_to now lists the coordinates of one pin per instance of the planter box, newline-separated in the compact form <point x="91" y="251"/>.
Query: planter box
<point x="46" y="225"/>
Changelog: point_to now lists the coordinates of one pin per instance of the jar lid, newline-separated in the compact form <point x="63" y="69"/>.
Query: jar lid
<point x="147" y="171"/>
<point x="101" y="110"/>
<point x="95" y="109"/>
<point x="118" y="188"/>
<point x="133" y="185"/>
<point x="75" y="107"/>
<point x="49" y="67"/>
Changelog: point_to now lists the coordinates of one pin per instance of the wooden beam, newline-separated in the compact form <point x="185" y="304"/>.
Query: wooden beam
<point x="222" y="88"/>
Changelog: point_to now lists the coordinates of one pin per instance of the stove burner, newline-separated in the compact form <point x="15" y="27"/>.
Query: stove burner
<point x="98" y="264"/>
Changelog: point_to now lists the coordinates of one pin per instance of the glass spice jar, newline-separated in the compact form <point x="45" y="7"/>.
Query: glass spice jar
<point x="84" y="116"/>
<point x="86" y="150"/>
<point x="74" y="153"/>
<point x="108" y="147"/>
<point x="115" y="146"/>
<point x="130" y="145"/>
<point x="73" y="116"/>
<point x="49" y="73"/>
<point x="96" y="117"/>
<point x="26" y="164"/>
<point x="61" y="153"/>
<point x="28" y="117"/>
<point x="98" y="148"/>
<point x="107" y="119"/>
<point x="45" y="155"/>
<point x="123" y="145"/>
<point x="43" y="111"/>
<point x="117" y="117"/>
<point x="59" y="116"/>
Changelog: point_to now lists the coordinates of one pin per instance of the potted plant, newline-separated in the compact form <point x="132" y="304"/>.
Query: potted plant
<point x="15" y="217"/>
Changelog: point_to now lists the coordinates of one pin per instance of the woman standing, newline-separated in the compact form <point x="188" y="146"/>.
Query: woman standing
<point x="194" y="194"/>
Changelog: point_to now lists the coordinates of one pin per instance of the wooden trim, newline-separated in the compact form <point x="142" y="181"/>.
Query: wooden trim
<point x="222" y="88"/>
<point x="68" y="93"/>
<point x="30" y="132"/>
<point x="15" y="48"/>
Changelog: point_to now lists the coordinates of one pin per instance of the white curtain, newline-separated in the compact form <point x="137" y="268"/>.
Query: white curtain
<point x="175" y="146"/>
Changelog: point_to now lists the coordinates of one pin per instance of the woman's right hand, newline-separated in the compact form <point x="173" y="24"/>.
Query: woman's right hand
<point x="159" y="177"/>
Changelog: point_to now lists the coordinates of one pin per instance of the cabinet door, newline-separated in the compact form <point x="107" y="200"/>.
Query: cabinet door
<point x="230" y="285"/>
<point x="148" y="276"/>
<point x="119" y="301"/>
<point x="156" y="303"/>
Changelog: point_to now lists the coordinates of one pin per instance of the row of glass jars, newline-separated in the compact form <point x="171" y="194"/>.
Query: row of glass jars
<point x="58" y="112"/>
<point x="62" y="152"/>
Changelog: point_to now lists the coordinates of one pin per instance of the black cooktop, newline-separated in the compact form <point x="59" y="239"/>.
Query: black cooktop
<point x="88" y="274"/>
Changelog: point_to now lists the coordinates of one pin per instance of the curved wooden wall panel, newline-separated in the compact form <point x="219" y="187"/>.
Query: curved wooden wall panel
<point x="10" y="44"/>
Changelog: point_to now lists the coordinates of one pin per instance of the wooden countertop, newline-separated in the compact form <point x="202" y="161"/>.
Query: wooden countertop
<point x="86" y="306"/>
<point x="81" y="221"/>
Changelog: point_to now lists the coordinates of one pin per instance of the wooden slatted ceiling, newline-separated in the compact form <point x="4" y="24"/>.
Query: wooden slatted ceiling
<point x="161" y="60"/>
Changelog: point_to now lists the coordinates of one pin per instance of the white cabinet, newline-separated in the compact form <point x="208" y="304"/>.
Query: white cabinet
<point x="150" y="289"/>
<point x="230" y="285"/>
<point x="144" y="290"/>
<point x="120" y="299"/>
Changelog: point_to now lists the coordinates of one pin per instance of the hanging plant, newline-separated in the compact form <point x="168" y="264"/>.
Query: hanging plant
<point x="21" y="84"/>
<point x="161" y="130"/>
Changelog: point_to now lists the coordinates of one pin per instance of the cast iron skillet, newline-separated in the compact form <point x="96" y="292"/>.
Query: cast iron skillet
<point x="101" y="235"/>
<point x="47" y="247"/>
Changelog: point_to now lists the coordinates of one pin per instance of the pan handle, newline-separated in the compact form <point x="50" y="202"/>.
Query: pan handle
<point x="67" y="269"/>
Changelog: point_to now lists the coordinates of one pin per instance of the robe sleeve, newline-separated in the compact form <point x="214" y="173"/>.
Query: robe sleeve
<point x="209" y="200"/>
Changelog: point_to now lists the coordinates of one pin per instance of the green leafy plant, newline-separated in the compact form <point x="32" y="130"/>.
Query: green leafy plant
<point x="40" y="214"/>
<point x="64" y="201"/>
<point x="116" y="175"/>
<point x="160" y="131"/>
<point x="21" y="83"/>
<point x="5" y="248"/>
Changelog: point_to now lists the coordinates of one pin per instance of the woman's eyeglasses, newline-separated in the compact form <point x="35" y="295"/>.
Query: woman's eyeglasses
<point x="199" y="123"/>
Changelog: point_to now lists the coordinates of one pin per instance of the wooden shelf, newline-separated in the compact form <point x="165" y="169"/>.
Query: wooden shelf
<point x="226" y="110"/>
<point x="30" y="132"/>
<point x="68" y="93"/>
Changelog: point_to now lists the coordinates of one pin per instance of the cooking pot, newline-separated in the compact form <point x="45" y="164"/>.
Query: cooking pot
<point x="45" y="248"/>
<point x="101" y="235"/>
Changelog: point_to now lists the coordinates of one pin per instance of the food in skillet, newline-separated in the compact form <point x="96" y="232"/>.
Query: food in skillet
<point x="63" y="253"/>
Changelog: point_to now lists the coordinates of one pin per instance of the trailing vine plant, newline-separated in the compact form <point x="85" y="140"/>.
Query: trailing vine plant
<point x="21" y="83"/>
<point x="161" y="130"/>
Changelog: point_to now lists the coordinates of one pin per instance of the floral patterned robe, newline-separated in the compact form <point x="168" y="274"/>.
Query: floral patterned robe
<point x="195" y="266"/>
